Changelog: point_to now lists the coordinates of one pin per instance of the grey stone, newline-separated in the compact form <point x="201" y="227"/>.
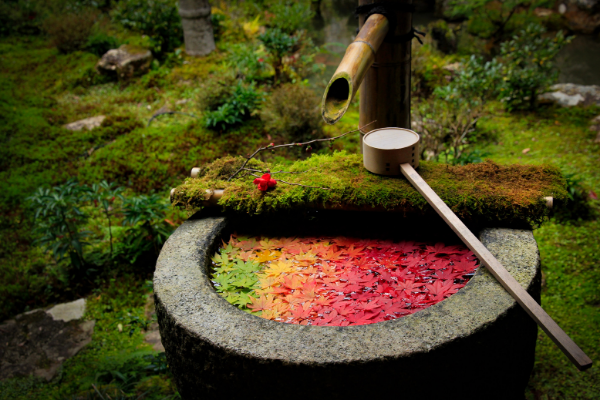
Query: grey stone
<point x="480" y="336"/>
<point x="68" y="311"/>
<point x="87" y="123"/>
<point x="197" y="27"/>
<point x="125" y="62"/>
<point x="38" y="342"/>
<point x="569" y="95"/>
<point x="152" y="335"/>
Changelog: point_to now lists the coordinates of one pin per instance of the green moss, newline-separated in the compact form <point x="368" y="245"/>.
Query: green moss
<point x="507" y="194"/>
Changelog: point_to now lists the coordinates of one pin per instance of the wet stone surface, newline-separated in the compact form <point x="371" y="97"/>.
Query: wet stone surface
<point x="38" y="342"/>
<point x="215" y="349"/>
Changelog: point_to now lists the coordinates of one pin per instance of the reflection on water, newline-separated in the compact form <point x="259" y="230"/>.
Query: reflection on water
<point x="579" y="61"/>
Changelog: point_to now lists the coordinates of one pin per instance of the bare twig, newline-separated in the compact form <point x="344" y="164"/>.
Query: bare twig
<point x="295" y="184"/>
<point x="276" y="172"/>
<point x="293" y="145"/>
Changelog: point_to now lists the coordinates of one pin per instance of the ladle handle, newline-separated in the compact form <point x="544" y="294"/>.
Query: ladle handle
<point x="558" y="336"/>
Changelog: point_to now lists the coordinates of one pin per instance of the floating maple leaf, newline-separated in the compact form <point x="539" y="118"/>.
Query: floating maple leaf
<point x="262" y="303"/>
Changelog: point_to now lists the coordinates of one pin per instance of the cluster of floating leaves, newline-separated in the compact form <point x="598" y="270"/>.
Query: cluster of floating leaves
<point x="338" y="281"/>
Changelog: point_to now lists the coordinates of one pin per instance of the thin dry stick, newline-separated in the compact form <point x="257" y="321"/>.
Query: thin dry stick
<point x="296" y="184"/>
<point x="292" y="145"/>
<point x="276" y="172"/>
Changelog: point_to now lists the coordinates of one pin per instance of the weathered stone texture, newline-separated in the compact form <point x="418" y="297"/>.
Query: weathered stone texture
<point x="126" y="62"/>
<point x="197" y="27"/>
<point x="38" y="342"/>
<point x="477" y="344"/>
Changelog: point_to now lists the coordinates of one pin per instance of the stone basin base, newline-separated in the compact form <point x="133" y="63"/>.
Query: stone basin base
<point x="477" y="344"/>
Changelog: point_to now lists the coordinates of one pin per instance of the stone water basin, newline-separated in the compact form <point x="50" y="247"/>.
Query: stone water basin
<point x="478" y="343"/>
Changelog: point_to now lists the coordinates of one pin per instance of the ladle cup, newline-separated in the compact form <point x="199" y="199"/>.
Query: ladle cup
<point x="391" y="151"/>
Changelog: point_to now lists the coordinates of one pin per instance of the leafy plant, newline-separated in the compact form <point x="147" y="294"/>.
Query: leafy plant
<point x="528" y="66"/>
<point x="158" y="19"/>
<point x="293" y="111"/>
<point x="70" y="31"/>
<point x="491" y="19"/>
<point x="145" y="214"/>
<point x="278" y="44"/>
<point x="104" y="194"/>
<point x="579" y="206"/>
<point x="58" y="220"/>
<point x="99" y="43"/>
<point x="248" y="60"/>
<point x="236" y="109"/>
<point x="290" y="16"/>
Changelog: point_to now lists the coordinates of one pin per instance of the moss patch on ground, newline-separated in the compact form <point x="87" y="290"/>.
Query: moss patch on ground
<point x="508" y="194"/>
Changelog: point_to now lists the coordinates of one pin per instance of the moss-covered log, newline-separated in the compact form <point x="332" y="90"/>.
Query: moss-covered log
<point x="503" y="194"/>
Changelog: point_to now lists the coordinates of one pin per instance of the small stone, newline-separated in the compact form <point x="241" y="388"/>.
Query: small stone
<point x="68" y="311"/>
<point x="87" y="123"/>
<point x="525" y="151"/>
<point x="126" y="62"/>
<point x="562" y="8"/>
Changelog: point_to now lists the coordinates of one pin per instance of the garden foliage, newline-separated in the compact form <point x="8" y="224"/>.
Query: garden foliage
<point x="159" y="19"/>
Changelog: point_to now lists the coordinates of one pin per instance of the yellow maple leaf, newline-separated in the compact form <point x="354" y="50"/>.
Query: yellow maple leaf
<point x="277" y="268"/>
<point x="266" y="255"/>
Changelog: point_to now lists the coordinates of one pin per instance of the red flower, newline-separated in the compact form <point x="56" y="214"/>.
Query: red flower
<point x="260" y="60"/>
<point x="265" y="182"/>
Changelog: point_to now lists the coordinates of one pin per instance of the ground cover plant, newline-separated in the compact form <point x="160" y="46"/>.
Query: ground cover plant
<point x="338" y="281"/>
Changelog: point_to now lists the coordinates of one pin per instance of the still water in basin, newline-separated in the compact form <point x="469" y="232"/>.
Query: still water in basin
<point x="338" y="281"/>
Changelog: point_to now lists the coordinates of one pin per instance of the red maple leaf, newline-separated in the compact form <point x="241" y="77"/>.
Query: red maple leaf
<point x="409" y="286"/>
<point x="354" y="252"/>
<point x="442" y="248"/>
<point x="447" y="274"/>
<point x="464" y="267"/>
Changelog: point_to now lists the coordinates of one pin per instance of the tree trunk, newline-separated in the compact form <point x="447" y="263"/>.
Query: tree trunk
<point x="197" y="27"/>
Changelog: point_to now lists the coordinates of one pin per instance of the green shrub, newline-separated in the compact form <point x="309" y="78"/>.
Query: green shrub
<point x="236" y="109"/>
<point x="148" y="230"/>
<point x="476" y="83"/>
<point x="278" y="44"/>
<point x="292" y="111"/>
<point x="248" y="60"/>
<point x="70" y="32"/>
<point x="99" y="43"/>
<point x="159" y="19"/>
<point x="528" y="66"/>
<point x="290" y="16"/>
<point x="58" y="221"/>
<point x="578" y="205"/>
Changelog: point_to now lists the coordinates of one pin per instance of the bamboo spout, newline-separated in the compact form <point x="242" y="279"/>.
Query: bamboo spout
<point x="358" y="58"/>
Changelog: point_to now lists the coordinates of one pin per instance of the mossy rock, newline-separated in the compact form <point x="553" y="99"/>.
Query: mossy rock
<point x="485" y="192"/>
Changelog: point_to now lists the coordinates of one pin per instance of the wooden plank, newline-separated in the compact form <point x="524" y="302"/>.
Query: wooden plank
<point x="558" y="336"/>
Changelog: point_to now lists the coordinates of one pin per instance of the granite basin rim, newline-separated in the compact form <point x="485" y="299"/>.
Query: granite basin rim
<point x="183" y="289"/>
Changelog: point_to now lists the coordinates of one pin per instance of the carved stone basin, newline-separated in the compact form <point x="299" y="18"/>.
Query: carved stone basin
<point x="476" y="344"/>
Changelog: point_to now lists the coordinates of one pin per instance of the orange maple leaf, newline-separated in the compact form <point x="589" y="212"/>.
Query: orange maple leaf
<point x="262" y="303"/>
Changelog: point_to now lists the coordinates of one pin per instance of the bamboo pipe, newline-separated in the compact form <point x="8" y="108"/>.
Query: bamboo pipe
<point x="359" y="56"/>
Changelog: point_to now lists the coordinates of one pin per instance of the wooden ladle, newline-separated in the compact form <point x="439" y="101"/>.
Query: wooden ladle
<point x="391" y="151"/>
